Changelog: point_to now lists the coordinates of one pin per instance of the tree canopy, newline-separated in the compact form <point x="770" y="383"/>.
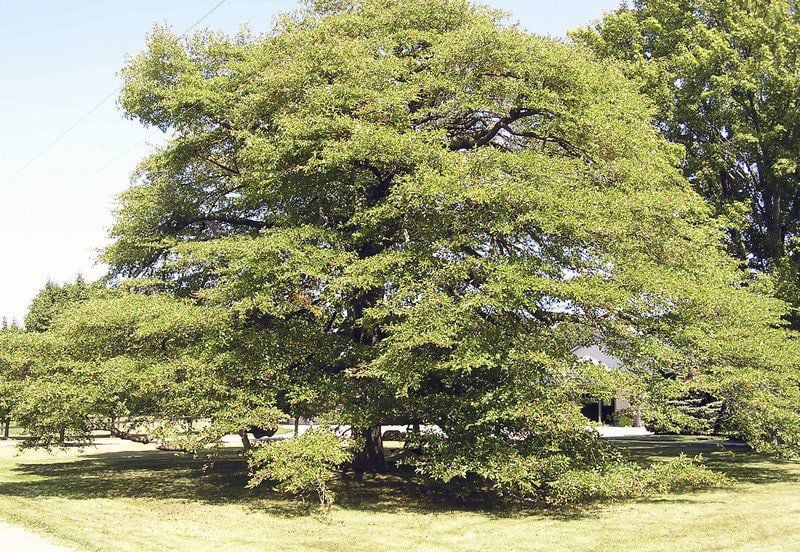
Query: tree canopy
<point x="412" y="212"/>
<point x="52" y="300"/>
<point x="724" y="74"/>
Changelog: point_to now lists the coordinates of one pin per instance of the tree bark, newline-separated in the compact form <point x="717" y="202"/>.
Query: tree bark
<point x="371" y="458"/>
<point x="245" y="441"/>
<point x="776" y="224"/>
<point x="7" y="428"/>
<point x="114" y="431"/>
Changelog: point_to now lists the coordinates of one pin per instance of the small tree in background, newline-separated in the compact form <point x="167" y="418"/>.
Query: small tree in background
<point x="54" y="299"/>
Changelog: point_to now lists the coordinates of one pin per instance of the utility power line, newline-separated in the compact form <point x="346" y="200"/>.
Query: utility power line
<point x="102" y="168"/>
<point x="89" y="113"/>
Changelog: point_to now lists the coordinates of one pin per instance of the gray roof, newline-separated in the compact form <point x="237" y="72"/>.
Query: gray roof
<point x="595" y="353"/>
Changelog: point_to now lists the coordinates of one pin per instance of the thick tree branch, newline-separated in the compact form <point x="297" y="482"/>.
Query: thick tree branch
<point x="234" y="221"/>
<point x="484" y="137"/>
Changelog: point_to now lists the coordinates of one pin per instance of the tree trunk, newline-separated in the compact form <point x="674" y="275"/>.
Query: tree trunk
<point x="296" y="426"/>
<point x="114" y="431"/>
<point x="637" y="417"/>
<point x="7" y="428"/>
<point x="776" y="225"/>
<point x="415" y="430"/>
<point x="371" y="458"/>
<point x="245" y="441"/>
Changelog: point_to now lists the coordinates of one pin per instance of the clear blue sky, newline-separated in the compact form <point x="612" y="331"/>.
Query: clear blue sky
<point x="59" y="58"/>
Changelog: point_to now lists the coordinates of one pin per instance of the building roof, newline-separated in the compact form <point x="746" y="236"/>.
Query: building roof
<point x="595" y="353"/>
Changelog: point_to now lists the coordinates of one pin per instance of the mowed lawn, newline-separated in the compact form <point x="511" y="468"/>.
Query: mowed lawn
<point x="131" y="497"/>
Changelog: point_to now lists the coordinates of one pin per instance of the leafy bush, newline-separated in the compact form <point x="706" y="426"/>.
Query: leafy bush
<point x="300" y="465"/>
<point x="623" y="418"/>
<point x="629" y="480"/>
<point x="592" y="469"/>
<point x="515" y="469"/>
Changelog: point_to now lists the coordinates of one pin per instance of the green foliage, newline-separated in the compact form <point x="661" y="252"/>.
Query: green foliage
<point x="53" y="299"/>
<point x="523" y="467"/>
<point x="130" y="364"/>
<point x="695" y="413"/>
<point x="301" y="465"/>
<point x="408" y="211"/>
<point x="681" y="473"/>
<point x="724" y="74"/>
<point x="241" y="414"/>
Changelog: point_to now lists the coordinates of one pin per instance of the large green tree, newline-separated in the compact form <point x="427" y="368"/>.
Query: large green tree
<point x="725" y="75"/>
<point x="410" y="212"/>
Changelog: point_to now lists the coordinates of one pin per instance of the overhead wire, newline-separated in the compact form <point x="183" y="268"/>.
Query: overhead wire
<point x="89" y="113"/>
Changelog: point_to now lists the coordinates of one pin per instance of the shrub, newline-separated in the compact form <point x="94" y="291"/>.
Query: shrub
<point x="629" y="480"/>
<point x="623" y="418"/>
<point x="300" y="465"/>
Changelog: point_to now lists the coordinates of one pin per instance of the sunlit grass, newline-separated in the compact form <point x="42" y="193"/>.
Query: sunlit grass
<point x="132" y="497"/>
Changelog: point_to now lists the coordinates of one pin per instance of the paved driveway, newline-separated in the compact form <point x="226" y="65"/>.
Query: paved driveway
<point x="14" y="539"/>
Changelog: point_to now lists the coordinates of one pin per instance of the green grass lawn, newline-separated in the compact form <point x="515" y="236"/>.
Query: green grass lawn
<point x="131" y="497"/>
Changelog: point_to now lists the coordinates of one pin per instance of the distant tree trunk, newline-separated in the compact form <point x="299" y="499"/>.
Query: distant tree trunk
<point x="296" y="426"/>
<point x="415" y="431"/>
<point x="637" y="417"/>
<point x="776" y="225"/>
<point x="245" y="441"/>
<point x="62" y="435"/>
<point x="7" y="428"/>
<point x="371" y="458"/>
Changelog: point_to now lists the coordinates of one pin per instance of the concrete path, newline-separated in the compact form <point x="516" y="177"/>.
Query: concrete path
<point x="14" y="539"/>
<point x="288" y="433"/>
<point x="612" y="431"/>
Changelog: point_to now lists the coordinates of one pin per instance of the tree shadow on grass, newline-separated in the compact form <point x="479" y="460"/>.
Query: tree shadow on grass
<point x="159" y="475"/>
<point x="141" y="474"/>
<point x="734" y="460"/>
